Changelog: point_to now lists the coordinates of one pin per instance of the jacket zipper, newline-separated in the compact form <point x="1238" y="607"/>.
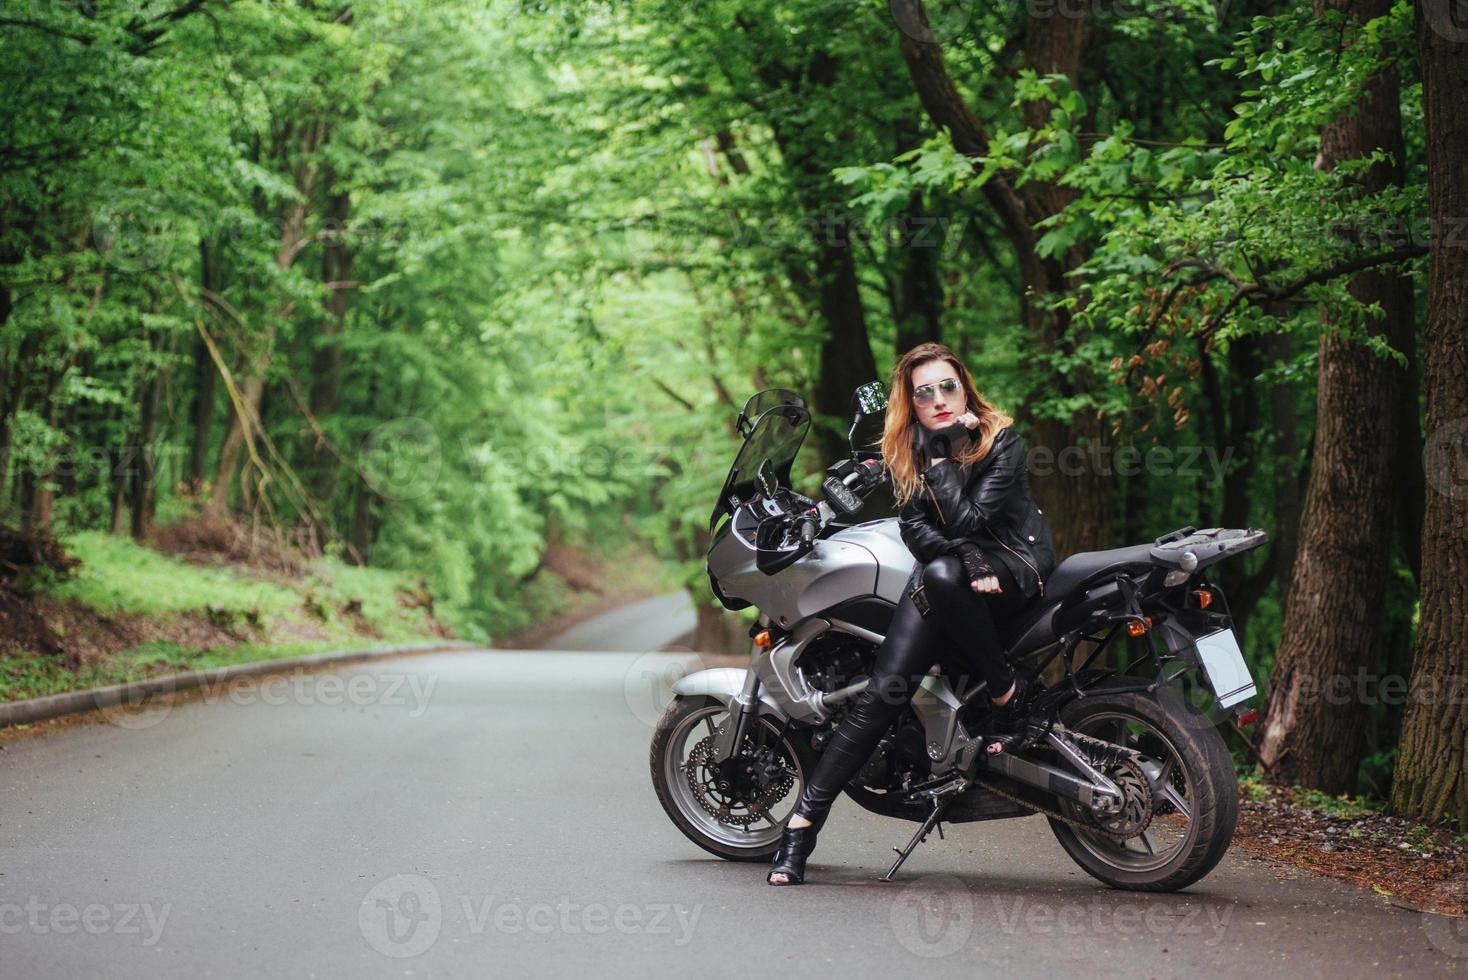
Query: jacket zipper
<point x="936" y="505"/>
<point x="1023" y="559"/>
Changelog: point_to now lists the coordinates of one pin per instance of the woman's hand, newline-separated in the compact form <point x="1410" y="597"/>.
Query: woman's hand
<point x="982" y="577"/>
<point x="970" y="421"/>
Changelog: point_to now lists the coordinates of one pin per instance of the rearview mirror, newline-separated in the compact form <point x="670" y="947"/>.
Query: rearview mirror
<point x="871" y="398"/>
<point x="868" y="400"/>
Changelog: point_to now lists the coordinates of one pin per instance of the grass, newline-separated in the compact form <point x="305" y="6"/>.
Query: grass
<point x="333" y="606"/>
<point x="118" y="575"/>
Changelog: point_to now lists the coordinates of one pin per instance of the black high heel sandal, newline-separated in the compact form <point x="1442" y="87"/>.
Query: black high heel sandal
<point x="796" y="843"/>
<point x="1008" y="721"/>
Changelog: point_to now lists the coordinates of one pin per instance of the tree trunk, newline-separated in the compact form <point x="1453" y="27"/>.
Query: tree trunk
<point x="206" y="376"/>
<point x="336" y="269"/>
<point x="143" y="474"/>
<point x="361" y="539"/>
<point x="846" y="352"/>
<point x="1430" y="780"/>
<point x="326" y="360"/>
<point x="1333" y="629"/>
<point x="917" y="302"/>
<point x="1410" y="492"/>
<point x="1287" y="495"/>
<point x="119" y="490"/>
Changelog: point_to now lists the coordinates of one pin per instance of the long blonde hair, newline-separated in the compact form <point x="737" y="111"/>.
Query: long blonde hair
<point x="897" y="426"/>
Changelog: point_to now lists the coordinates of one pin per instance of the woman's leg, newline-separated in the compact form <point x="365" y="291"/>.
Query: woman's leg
<point x="907" y="651"/>
<point x="971" y="619"/>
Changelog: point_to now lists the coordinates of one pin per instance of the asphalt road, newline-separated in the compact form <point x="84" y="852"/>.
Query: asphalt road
<point x="649" y="624"/>
<point x="490" y="814"/>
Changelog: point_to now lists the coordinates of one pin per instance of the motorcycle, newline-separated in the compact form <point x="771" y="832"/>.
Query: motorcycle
<point x="1122" y="754"/>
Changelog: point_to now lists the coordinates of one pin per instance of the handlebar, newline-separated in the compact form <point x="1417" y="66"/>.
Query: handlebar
<point x="803" y="518"/>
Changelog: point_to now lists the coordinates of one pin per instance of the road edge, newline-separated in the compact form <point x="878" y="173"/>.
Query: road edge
<point x="31" y="710"/>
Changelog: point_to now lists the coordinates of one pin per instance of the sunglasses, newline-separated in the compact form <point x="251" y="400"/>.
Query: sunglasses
<point x="925" y="394"/>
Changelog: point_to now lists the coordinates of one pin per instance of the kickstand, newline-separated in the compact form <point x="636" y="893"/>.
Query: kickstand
<point x="920" y="836"/>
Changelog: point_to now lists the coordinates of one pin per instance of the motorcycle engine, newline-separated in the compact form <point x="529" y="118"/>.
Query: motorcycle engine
<point x="834" y="659"/>
<point x="831" y="662"/>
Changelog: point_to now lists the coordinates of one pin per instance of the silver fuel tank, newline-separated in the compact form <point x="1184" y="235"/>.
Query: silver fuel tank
<point x="868" y="559"/>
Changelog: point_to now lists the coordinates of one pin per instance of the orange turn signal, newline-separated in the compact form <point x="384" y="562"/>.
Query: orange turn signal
<point x="1136" y="627"/>
<point x="1204" y="597"/>
<point x="762" y="639"/>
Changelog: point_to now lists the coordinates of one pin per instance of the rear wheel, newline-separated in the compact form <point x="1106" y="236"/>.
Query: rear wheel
<point x="1192" y="793"/>
<point x="737" y="809"/>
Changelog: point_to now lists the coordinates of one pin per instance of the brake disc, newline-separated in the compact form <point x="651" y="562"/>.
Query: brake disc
<point x="773" y="778"/>
<point x="1136" y="803"/>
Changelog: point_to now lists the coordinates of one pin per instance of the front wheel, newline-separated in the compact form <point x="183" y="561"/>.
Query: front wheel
<point x="736" y="810"/>
<point x="1193" y="792"/>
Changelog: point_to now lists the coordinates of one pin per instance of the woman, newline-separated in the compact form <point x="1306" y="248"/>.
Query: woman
<point x="983" y="551"/>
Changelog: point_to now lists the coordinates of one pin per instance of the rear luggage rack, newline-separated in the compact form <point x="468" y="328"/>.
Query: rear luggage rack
<point x="1177" y="535"/>
<point x="1189" y="548"/>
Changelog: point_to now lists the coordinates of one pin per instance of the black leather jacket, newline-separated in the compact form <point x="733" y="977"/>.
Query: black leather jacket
<point x="987" y="503"/>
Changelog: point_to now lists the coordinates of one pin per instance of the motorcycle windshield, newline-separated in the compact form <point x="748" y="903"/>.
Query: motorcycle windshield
<point x="776" y="438"/>
<point x="761" y="402"/>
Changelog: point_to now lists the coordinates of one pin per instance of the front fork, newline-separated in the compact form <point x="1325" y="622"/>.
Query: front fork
<point x="741" y="713"/>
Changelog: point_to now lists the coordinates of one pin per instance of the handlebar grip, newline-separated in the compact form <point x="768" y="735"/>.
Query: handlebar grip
<point x="807" y="530"/>
<point x="868" y="470"/>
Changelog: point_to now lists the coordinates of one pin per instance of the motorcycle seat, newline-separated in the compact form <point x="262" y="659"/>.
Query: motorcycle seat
<point x="1029" y="629"/>
<point x="1083" y="564"/>
<point x="1019" y="624"/>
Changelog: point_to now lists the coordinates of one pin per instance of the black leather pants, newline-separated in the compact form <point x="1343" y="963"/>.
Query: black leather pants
<point x="956" y="617"/>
